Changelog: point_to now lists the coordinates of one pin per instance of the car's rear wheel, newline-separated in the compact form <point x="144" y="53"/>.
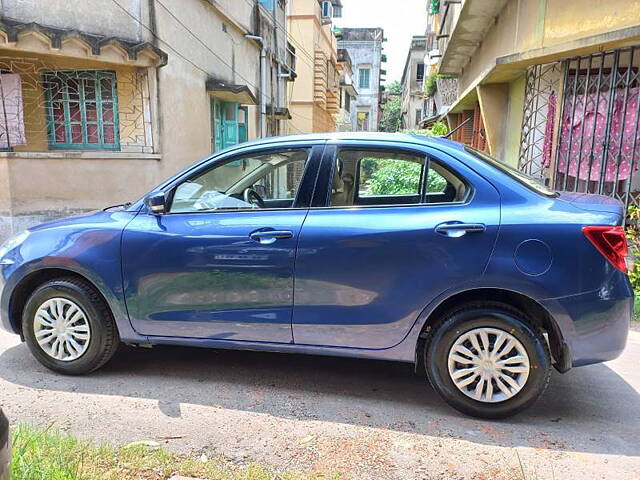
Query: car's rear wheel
<point x="486" y="360"/>
<point x="68" y="327"/>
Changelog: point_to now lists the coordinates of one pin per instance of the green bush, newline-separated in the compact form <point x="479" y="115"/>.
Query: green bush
<point x="397" y="177"/>
<point x="633" y="240"/>
<point x="430" y="85"/>
<point x="392" y="109"/>
<point x="438" y="129"/>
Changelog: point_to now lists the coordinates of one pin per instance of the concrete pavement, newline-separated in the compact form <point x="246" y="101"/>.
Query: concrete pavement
<point x="367" y="419"/>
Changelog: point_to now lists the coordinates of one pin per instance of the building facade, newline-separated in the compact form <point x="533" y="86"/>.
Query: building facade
<point x="364" y="46"/>
<point x="413" y="77"/>
<point x="102" y="99"/>
<point x="314" y="98"/>
<point x="346" y="121"/>
<point x="550" y="87"/>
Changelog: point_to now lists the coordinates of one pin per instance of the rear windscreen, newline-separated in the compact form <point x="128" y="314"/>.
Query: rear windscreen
<point x="530" y="182"/>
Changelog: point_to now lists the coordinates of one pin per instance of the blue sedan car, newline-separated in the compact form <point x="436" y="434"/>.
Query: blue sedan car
<point x="384" y="246"/>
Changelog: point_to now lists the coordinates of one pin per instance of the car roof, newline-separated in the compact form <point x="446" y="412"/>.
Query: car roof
<point x="365" y="136"/>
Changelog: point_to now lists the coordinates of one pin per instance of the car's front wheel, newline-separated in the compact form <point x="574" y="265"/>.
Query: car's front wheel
<point x="68" y="327"/>
<point x="486" y="360"/>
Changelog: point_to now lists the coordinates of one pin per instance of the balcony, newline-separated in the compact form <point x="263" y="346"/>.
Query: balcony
<point x="462" y="28"/>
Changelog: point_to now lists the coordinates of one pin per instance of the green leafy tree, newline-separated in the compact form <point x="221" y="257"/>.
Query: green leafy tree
<point x="395" y="88"/>
<point x="430" y="85"/>
<point x="397" y="177"/>
<point x="392" y="109"/>
<point x="438" y="129"/>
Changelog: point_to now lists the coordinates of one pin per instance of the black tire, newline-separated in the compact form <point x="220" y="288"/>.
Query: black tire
<point x="494" y="315"/>
<point x="104" y="339"/>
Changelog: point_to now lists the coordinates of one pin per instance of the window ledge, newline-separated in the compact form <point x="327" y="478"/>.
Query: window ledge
<point x="88" y="155"/>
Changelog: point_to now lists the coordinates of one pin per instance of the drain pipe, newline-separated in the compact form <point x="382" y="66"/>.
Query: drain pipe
<point x="263" y="83"/>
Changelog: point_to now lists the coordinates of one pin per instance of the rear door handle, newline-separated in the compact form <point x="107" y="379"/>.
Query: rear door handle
<point x="458" y="229"/>
<point x="267" y="237"/>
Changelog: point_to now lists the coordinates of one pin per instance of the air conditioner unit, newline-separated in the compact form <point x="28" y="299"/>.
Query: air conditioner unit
<point x="327" y="12"/>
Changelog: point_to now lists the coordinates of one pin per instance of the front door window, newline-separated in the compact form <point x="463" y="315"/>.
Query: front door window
<point x="268" y="180"/>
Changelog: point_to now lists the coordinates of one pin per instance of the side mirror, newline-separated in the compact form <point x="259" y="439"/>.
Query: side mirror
<point x="156" y="203"/>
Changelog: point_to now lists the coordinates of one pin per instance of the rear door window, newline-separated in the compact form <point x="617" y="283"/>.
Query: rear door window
<point x="371" y="177"/>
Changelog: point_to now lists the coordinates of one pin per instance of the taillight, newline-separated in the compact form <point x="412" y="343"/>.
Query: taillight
<point x="610" y="242"/>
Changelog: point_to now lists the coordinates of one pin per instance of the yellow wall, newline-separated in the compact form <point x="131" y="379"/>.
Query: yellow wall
<point x="66" y="184"/>
<point x="514" y="121"/>
<point x="569" y="20"/>
<point x="309" y="36"/>
<point x="524" y="25"/>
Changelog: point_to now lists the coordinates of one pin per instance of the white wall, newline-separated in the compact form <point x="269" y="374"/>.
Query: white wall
<point x="366" y="53"/>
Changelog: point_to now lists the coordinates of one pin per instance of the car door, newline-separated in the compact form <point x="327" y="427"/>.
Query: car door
<point x="390" y="228"/>
<point x="219" y="264"/>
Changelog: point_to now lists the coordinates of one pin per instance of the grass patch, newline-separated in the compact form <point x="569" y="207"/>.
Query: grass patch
<point x="636" y="307"/>
<point x="54" y="455"/>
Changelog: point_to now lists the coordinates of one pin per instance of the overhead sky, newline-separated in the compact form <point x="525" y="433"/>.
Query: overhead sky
<point x="400" y="19"/>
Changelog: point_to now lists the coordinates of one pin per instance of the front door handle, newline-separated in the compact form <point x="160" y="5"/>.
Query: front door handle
<point x="458" y="229"/>
<point x="267" y="237"/>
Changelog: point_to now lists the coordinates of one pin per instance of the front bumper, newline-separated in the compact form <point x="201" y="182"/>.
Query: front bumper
<point x="5" y="321"/>
<point x="594" y="325"/>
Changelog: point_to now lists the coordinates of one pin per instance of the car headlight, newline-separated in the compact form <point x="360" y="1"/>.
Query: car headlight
<point x="12" y="243"/>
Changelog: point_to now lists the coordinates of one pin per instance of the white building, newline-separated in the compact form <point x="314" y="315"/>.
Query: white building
<point x="413" y="77"/>
<point x="364" y="46"/>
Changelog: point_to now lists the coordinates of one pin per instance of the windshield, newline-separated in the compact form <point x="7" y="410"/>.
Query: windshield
<point x="530" y="182"/>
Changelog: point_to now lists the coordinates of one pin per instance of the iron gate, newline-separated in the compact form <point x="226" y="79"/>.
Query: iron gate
<point x="580" y="128"/>
<point x="598" y="140"/>
<point x="540" y="95"/>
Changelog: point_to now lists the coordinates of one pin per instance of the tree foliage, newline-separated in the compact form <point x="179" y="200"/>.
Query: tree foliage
<point x="392" y="109"/>
<point x="398" y="177"/>
<point x="395" y="88"/>
<point x="430" y="85"/>
<point x="438" y="129"/>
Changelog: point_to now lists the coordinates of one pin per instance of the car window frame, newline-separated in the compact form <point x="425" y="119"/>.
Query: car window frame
<point x="304" y="194"/>
<point x="321" y="200"/>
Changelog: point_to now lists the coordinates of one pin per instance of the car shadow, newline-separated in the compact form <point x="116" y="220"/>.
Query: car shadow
<point x="590" y="409"/>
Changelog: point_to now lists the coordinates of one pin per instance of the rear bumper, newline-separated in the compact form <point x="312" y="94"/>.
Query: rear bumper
<point x="595" y="325"/>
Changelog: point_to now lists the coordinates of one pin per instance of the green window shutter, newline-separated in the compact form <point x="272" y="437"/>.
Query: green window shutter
<point x="224" y="124"/>
<point x="242" y="132"/>
<point x="217" y="125"/>
<point x="82" y="110"/>
<point x="364" y="77"/>
<point x="243" y="114"/>
<point x="230" y="133"/>
<point x="230" y="124"/>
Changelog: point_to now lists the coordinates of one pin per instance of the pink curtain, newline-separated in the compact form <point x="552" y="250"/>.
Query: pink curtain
<point x="11" y="111"/>
<point x="548" y="130"/>
<point x="590" y="124"/>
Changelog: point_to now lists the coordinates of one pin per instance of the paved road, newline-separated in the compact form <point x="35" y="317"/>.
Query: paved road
<point x="365" y="418"/>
